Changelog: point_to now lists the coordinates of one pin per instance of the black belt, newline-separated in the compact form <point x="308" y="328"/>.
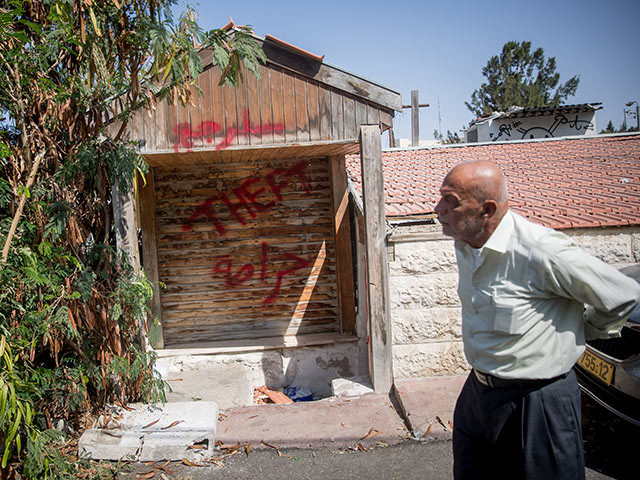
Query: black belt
<point x="496" y="382"/>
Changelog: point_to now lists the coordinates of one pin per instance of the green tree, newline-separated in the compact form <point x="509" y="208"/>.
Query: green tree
<point x="520" y="77"/>
<point x="610" y="128"/>
<point x="623" y="128"/>
<point x="71" y="306"/>
<point x="452" y="137"/>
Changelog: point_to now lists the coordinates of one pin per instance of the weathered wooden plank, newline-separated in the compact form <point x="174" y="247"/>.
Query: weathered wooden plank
<point x="186" y="253"/>
<point x="242" y="126"/>
<point x="302" y="113"/>
<point x="263" y="152"/>
<point x="361" y="114"/>
<point x="234" y="271"/>
<point x="386" y="119"/>
<point x="208" y="125"/>
<point x="203" y="336"/>
<point x="310" y="162"/>
<point x="149" y="135"/>
<point x="248" y="314"/>
<point x="278" y="327"/>
<point x="349" y="108"/>
<point x="198" y="130"/>
<point x="373" y="115"/>
<point x="134" y="131"/>
<point x="380" y="345"/>
<point x="185" y="299"/>
<point x="201" y="261"/>
<point x="337" y="115"/>
<point x="229" y="227"/>
<point x="218" y="117"/>
<point x="253" y="106"/>
<point x="288" y="90"/>
<point x="249" y="309"/>
<point x="125" y="225"/>
<point x="150" y="255"/>
<point x="344" y="255"/>
<point x="260" y="292"/>
<point x="325" y="113"/>
<point x="277" y="105"/>
<point x="231" y="117"/>
<point x="313" y="110"/>
<point x="160" y="126"/>
<point x="222" y="324"/>
<point x="243" y="345"/>
<point x="183" y="128"/>
<point x="266" y="113"/>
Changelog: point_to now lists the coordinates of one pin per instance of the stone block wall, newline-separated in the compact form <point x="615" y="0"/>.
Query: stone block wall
<point x="425" y="310"/>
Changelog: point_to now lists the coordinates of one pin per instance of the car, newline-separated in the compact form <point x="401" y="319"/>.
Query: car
<point x="609" y="369"/>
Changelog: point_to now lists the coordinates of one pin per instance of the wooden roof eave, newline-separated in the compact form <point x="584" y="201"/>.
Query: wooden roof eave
<point x="296" y="60"/>
<point x="246" y="153"/>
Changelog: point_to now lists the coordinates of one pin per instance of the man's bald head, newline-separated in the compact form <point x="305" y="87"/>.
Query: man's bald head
<point x="483" y="179"/>
<point x="474" y="200"/>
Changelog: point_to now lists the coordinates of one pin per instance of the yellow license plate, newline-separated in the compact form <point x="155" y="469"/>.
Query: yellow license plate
<point x="597" y="367"/>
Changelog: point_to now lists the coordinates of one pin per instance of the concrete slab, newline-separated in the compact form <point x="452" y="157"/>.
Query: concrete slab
<point x="227" y="384"/>
<point x="351" y="387"/>
<point x="424" y="400"/>
<point x="328" y="423"/>
<point x="152" y="433"/>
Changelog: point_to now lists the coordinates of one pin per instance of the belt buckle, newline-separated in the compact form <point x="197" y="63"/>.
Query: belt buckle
<point x="484" y="379"/>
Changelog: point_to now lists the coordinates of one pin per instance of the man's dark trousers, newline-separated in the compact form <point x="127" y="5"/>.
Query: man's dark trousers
<point x="519" y="431"/>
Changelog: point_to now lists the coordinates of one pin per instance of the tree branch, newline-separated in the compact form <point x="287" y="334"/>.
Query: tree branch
<point x="23" y="200"/>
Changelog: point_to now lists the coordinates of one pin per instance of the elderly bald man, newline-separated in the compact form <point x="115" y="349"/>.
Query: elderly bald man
<point x="523" y="290"/>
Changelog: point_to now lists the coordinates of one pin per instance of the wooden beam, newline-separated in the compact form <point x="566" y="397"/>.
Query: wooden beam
<point x="380" y="346"/>
<point x="150" y="253"/>
<point x="344" y="255"/>
<point x="125" y="225"/>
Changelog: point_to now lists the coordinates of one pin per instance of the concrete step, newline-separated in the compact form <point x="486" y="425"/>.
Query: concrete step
<point x="153" y="432"/>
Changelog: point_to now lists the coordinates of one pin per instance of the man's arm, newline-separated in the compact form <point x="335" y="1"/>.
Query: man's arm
<point x="609" y="295"/>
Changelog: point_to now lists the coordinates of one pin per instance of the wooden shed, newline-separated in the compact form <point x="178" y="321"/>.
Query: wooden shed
<point x="244" y="213"/>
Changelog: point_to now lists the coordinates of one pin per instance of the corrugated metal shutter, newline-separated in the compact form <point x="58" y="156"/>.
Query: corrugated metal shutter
<point x="246" y="250"/>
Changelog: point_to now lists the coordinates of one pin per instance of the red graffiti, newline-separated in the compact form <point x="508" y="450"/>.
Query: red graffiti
<point x="236" y="277"/>
<point x="185" y="134"/>
<point x="254" y="195"/>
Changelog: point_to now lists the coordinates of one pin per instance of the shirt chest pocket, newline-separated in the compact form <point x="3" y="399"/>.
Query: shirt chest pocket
<point x="509" y="315"/>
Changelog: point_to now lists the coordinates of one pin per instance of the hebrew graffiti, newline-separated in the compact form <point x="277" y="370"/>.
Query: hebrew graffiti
<point x="253" y="196"/>
<point x="540" y="128"/>
<point x="235" y="277"/>
<point x="185" y="133"/>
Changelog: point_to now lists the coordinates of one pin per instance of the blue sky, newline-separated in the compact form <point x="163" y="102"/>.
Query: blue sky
<point x="440" y="48"/>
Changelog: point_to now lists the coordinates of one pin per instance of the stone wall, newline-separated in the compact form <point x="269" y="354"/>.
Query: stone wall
<point x="425" y="309"/>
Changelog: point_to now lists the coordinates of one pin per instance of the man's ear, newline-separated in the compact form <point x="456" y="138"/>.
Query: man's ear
<point x="489" y="208"/>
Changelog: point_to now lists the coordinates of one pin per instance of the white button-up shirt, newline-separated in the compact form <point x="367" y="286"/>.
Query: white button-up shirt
<point x="523" y="300"/>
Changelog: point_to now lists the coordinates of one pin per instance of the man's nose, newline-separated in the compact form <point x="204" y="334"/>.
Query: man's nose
<point x="439" y="208"/>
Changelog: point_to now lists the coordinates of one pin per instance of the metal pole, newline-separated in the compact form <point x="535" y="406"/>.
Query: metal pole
<point x="415" y="119"/>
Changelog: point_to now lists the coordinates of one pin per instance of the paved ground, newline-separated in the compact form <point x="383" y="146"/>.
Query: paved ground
<point x="610" y="450"/>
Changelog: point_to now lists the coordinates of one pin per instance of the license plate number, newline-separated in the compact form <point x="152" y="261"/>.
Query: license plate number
<point x="597" y="367"/>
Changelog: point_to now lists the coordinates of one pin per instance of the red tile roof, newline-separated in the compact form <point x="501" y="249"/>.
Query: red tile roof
<point x="561" y="183"/>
